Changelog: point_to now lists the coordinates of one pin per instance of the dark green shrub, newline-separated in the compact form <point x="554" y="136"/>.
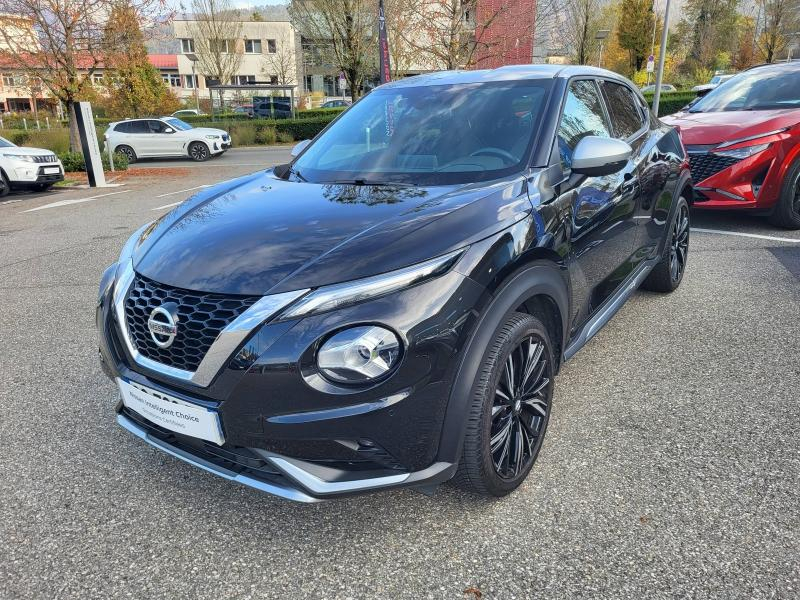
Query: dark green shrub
<point x="302" y="129"/>
<point x="671" y="103"/>
<point x="73" y="162"/>
<point x="265" y="135"/>
<point x="313" y="113"/>
<point x="20" y="138"/>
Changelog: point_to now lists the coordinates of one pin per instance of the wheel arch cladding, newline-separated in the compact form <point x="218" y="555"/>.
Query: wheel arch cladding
<point x="534" y="287"/>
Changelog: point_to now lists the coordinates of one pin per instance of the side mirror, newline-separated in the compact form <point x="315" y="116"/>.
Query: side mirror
<point x="169" y="130"/>
<point x="597" y="156"/>
<point x="299" y="147"/>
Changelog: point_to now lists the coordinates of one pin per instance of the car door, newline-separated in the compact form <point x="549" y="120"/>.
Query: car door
<point x="601" y="208"/>
<point x="651" y="155"/>
<point x="137" y="136"/>
<point x="158" y="141"/>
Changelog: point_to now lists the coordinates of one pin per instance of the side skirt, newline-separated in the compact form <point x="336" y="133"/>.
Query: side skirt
<point x="610" y="307"/>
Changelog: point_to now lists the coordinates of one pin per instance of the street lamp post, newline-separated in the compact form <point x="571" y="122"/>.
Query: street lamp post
<point x="193" y="59"/>
<point x="601" y="35"/>
<point x="661" y="55"/>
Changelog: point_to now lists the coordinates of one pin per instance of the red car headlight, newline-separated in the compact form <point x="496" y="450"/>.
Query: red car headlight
<point x="742" y="153"/>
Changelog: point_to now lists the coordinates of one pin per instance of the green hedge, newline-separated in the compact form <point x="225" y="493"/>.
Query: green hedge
<point x="672" y="102"/>
<point x="313" y="113"/>
<point x="73" y="162"/>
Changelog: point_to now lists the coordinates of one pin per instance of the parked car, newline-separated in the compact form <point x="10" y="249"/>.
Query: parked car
<point x="244" y="109"/>
<point x="390" y="309"/>
<point x="743" y="141"/>
<point x="167" y="136"/>
<point x="336" y="104"/>
<point x="272" y="108"/>
<point x="27" y="168"/>
<point x="665" y="88"/>
<point x="188" y="112"/>
<point x="715" y="82"/>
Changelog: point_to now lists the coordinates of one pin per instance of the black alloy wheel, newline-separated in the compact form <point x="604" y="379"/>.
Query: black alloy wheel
<point x="521" y="407"/>
<point x="667" y="275"/>
<point x="510" y="407"/>
<point x="679" y="245"/>
<point x="199" y="152"/>
<point x="127" y="152"/>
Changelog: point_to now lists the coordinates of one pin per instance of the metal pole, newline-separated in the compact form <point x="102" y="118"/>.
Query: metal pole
<point x="600" y="58"/>
<point x="661" y="56"/>
<point x="653" y="45"/>
<point x="110" y="155"/>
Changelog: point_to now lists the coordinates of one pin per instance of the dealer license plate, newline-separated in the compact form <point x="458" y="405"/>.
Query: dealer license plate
<point x="172" y="413"/>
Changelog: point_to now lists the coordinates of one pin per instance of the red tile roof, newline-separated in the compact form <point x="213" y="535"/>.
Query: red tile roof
<point x="164" y="61"/>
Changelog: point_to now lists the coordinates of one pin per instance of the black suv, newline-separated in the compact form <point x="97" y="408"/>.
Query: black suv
<point x="391" y="308"/>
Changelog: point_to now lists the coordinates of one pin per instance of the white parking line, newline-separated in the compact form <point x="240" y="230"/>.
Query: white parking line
<point x="169" y="205"/>
<point x="757" y="236"/>
<point x="75" y="201"/>
<point x="199" y="187"/>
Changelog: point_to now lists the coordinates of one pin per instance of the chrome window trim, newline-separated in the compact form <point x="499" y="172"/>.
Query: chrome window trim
<point x="223" y="347"/>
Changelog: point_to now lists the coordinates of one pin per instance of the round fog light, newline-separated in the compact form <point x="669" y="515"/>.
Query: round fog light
<point x="359" y="354"/>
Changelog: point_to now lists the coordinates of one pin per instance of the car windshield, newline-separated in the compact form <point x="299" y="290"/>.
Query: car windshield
<point x="430" y="135"/>
<point x="178" y="124"/>
<point x="764" y="88"/>
<point x="4" y="143"/>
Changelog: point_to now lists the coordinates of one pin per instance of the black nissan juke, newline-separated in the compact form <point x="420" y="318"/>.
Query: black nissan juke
<point x="390" y="309"/>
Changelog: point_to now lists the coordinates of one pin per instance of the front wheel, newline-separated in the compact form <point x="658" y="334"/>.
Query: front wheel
<point x="198" y="151"/>
<point x="787" y="211"/>
<point x="667" y="275"/>
<point x="510" y="408"/>
<point x="5" y="186"/>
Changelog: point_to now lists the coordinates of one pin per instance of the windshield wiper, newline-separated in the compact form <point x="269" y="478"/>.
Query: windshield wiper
<point x="364" y="182"/>
<point x="297" y="174"/>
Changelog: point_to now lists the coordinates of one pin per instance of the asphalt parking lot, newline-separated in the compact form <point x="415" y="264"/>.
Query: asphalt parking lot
<point x="671" y="467"/>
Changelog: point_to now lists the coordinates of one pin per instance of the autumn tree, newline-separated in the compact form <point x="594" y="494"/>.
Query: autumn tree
<point x="134" y="86"/>
<point x="216" y="29"/>
<point x="779" y="20"/>
<point x="344" y="31"/>
<point x="635" y="30"/>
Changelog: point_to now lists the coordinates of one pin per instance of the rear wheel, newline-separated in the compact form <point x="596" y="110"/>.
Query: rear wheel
<point x="128" y="152"/>
<point x="198" y="151"/>
<point x="5" y="187"/>
<point x="667" y="275"/>
<point x="787" y="211"/>
<point x="510" y="409"/>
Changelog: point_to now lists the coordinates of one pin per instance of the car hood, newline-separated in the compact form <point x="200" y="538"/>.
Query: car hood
<point x="717" y="127"/>
<point x="260" y="234"/>
<point x="206" y="131"/>
<point x="27" y="151"/>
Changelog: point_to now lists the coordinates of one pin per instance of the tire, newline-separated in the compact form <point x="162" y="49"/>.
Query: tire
<point x="5" y="186"/>
<point x="487" y="465"/>
<point x="199" y="152"/>
<point x="667" y="275"/>
<point x="129" y="153"/>
<point x="787" y="211"/>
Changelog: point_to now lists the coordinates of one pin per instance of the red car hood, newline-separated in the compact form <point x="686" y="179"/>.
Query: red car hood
<point x="717" y="127"/>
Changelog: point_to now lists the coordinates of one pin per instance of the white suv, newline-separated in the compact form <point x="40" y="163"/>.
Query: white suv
<point x="167" y="136"/>
<point x="31" y="168"/>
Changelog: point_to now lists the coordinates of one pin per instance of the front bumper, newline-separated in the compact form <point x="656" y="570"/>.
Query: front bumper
<point x="294" y="436"/>
<point x="25" y="173"/>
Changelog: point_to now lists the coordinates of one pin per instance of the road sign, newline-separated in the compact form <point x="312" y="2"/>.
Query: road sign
<point x="651" y="63"/>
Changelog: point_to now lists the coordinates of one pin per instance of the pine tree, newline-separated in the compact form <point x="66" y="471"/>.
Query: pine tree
<point x="635" y="32"/>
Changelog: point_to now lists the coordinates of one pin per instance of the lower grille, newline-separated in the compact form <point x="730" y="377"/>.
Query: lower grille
<point x="200" y="319"/>
<point x="705" y="164"/>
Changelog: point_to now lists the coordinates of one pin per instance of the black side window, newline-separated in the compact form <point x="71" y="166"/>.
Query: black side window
<point x="123" y="127"/>
<point x="138" y="127"/>
<point x="156" y="126"/>
<point x="622" y="107"/>
<point x="583" y="115"/>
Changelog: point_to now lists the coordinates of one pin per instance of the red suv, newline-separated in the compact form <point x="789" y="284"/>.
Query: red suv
<point x="743" y="141"/>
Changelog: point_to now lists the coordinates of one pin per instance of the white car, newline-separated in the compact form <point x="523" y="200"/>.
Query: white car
<point x="27" y="168"/>
<point x="715" y="82"/>
<point x="167" y="136"/>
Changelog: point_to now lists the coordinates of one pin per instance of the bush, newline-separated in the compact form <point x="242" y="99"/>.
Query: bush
<point x="242" y="134"/>
<point x="285" y="137"/>
<point x="266" y="135"/>
<point x="313" y="113"/>
<point x="671" y="103"/>
<point x="302" y="129"/>
<point x="73" y="162"/>
<point x="20" y="138"/>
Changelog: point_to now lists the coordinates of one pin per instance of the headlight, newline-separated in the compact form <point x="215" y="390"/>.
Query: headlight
<point x="22" y="157"/>
<point x="741" y="153"/>
<point x="359" y="354"/>
<point x="212" y="137"/>
<point x="342" y="294"/>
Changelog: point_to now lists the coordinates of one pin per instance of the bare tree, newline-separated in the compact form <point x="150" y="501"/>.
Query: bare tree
<point x="283" y="62"/>
<point x="581" y="23"/>
<point x="401" y="24"/>
<point x="346" y="28"/>
<point x="216" y="29"/>
<point x="781" y="18"/>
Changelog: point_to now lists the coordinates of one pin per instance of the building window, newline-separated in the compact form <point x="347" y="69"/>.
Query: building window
<point x="220" y="46"/>
<point x="252" y="46"/>
<point x="243" y="79"/>
<point x="97" y="78"/>
<point x="187" y="45"/>
<point x="13" y="80"/>
<point x="273" y="80"/>
<point x="190" y="82"/>
<point x="171" y="79"/>
<point x="272" y="46"/>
